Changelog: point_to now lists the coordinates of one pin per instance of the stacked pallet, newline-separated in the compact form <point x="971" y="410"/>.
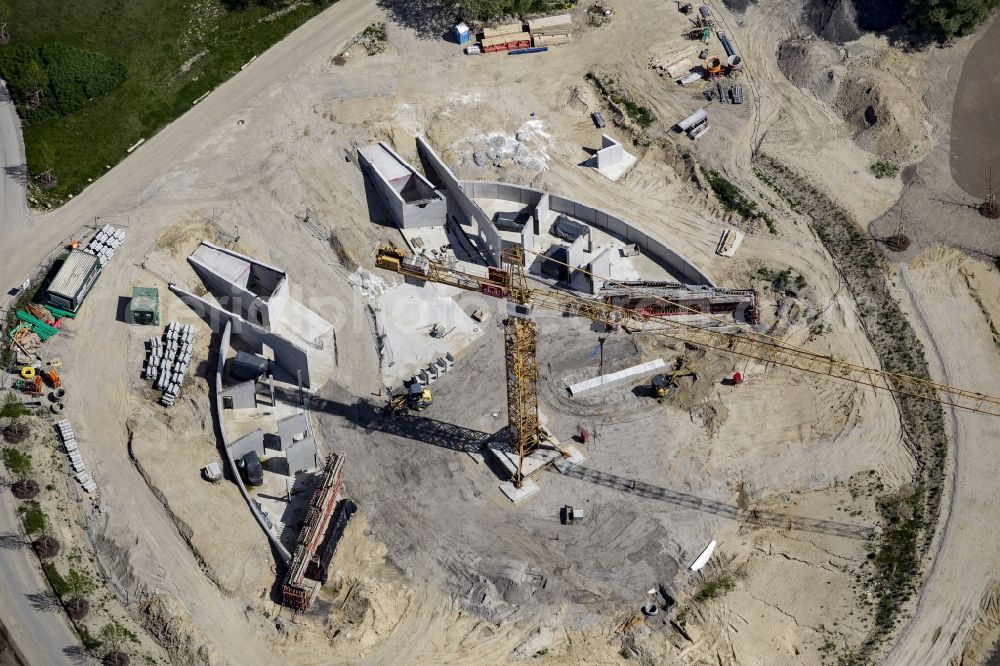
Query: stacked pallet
<point x="105" y="242"/>
<point x="551" y="30"/>
<point x="168" y="359"/>
<point x="75" y="457"/>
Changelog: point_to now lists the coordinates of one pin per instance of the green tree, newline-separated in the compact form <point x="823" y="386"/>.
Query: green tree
<point x="18" y="463"/>
<point x="35" y="80"/>
<point x="945" y="19"/>
<point x="115" y="636"/>
<point x="79" y="586"/>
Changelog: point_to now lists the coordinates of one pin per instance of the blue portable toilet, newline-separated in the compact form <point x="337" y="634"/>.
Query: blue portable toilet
<point x="462" y="34"/>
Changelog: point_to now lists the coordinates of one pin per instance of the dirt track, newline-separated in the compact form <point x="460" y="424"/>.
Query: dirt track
<point x="303" y="115"/>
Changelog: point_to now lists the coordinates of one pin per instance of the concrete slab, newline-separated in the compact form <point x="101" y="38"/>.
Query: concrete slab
<point x="532" y="463"/>
<point x="616" y="378"/>
<point x="408" y="313"/>
<point x="518" y="495"/>
<point x="572" y="456"/>
<point x="615" y="171"/>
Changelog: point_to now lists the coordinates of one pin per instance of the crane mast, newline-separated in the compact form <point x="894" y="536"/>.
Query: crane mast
<point x="520" y="348"/>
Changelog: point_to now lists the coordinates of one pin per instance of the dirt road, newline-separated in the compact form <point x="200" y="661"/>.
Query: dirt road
<point x="122" y="188"/>
<point x="956" y="312"/>
<point x="137" y="516"/>
<point x="13" y="204"/>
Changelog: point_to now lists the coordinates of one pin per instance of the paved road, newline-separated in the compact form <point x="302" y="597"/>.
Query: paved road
<point x="39" y="635"/>
<point x="24" y="240"/>
<point x="13" y="206"/>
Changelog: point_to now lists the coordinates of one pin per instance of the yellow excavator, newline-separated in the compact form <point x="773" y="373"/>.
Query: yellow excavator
<point x="417" y="397"/>
<point x="664" y="385"/>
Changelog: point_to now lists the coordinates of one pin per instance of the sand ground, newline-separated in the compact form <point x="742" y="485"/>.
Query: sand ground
<point x="438" y="567"/>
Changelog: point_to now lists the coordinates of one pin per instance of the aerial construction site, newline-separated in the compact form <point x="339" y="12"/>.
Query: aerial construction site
<point x="597" y="335"/>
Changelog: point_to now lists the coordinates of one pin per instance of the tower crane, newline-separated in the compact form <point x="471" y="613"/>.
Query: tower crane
<point x="510" y="282"/>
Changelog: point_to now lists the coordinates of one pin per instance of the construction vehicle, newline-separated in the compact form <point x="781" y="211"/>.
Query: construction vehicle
<point x="417" y="397"/>
<point x="510" y="282"/>
<point x="665" y="385"/>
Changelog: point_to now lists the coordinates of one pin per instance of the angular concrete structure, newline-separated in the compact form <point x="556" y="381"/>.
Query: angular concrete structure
<point x="254" y="290"/>
<point x="410" y="198"/>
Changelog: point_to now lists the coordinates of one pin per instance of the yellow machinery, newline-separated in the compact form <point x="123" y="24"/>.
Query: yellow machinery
<point x="664" y="385"/>
<point x="510" y="282"/>
<point x="417" y="397"/>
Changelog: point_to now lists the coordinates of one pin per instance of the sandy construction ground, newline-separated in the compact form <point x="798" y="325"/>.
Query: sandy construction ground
<point x="438" y="567"/>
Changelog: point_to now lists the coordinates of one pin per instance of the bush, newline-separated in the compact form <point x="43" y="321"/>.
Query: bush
<point x="76" y="76"/>
<point x="18" y="463"/>
<point x="944" y="19"/>
<point x="35" y="520"/>
<point x="884" y="169"/>
<point x="70" y="76"/>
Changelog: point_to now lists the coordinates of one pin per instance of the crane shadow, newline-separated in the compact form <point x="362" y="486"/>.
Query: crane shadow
<point x="753" y="517"/>
<point x="366" y="415"/>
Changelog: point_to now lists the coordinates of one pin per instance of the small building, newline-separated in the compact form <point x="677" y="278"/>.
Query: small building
<point x="144" y="307"/>
<point x="408" y="195"/>
<point x="73" y="282"/>
<point x="462" y="33"/>
<point x="254" y="290"/>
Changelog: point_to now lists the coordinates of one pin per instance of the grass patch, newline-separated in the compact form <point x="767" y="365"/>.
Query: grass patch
<point x="58" y="583"/>
<point x="781" y="280"/>
<point x="733" y="200"/>
<point x="622" y="103"/>
<point x="713" y="587"/>
<point x="908" y="519"/>
<point x="34" y="519"/>
<point x="122" y="71"/>
<point x="18" y="463"/>
<point x="884" y="169"/>
<point x="13" y="409"/>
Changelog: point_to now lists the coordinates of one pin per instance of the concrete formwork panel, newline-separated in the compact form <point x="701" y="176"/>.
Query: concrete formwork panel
<point x="601" y="266"/>
<point x="247" y="443"/>
<point x="241" y="396"/>
<point x="464" y="203"/>
<point x="288" y="428"/>
<point x="577" y="251"/>
<point x="301" y="456"/>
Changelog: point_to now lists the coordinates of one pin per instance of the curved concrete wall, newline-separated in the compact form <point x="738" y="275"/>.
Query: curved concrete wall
<point x="220" y="369"/>
<point x="670" y="259"/>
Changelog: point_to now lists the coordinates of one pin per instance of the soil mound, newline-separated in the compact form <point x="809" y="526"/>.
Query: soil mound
<point x="834" y="20"/>
<point x="877" y="100"/>
<point x="812" y="64"/>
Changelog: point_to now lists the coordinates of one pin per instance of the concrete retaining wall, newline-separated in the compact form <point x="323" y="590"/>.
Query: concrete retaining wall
<point x="462" y="206"/>
<point x="289" y="357"/>
<point x="258" y="516"/>
<point x="671" y="260"/>
<point x="430" y="213"/>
